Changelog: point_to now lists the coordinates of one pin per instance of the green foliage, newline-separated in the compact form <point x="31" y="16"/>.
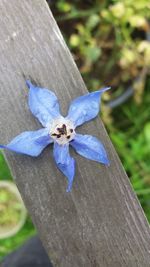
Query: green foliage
<point x="130" y="133"/>
<point x="107" y="37"/>
<point x="4" y="170"/>
<point x="9" y="207"/>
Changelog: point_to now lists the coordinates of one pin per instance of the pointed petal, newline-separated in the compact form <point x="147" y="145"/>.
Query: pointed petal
<point x="65" y="163"/>
<point x="29" y="143"/>
<point x="85" y="108"/>
<point x="43" y="104"/>
<point x="90" y="147"/>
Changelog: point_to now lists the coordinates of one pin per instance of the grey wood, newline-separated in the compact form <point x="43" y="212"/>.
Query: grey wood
<point x="100" y="223"/>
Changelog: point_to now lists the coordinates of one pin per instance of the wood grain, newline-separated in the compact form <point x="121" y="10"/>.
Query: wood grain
<point x="100" y="223"/>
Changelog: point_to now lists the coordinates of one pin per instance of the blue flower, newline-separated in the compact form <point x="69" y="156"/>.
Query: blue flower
<point x="61" y="130"/>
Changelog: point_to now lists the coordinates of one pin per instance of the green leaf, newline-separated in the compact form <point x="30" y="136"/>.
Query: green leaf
<point x="74" y="40"/>
<point x="64" y="6"/>
<point x="147" y="133"/>
<point x="92" y="53"/>
<point x="92" y="21"/>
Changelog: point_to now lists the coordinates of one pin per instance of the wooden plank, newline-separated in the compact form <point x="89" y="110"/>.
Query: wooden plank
<point x="100" y="223"/>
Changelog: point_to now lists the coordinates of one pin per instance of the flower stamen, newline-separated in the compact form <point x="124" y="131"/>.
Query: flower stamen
<point x="62" y="131"/>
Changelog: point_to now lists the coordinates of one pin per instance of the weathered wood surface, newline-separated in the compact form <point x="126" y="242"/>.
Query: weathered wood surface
<point x="100" y="223"/>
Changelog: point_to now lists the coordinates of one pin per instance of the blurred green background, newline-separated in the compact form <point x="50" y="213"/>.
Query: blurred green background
<point x="110" y="42"/>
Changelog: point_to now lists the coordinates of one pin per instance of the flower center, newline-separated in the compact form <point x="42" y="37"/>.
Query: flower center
<point x="62" y="131"/>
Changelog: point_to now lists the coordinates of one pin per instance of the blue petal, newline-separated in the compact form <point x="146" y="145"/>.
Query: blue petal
<point x="43" y="104"/>
<point x="30" y="143"/>
<point x="90" y="147"/>
<point x="65" y="163"/>
<point x="85" y="108"/>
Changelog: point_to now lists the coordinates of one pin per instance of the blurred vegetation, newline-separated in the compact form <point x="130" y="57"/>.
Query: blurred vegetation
<point x="10" y="209"/>
<point x="110" y="42"/>
<point x="9" y="244"/>
<point x="130" y="134"/>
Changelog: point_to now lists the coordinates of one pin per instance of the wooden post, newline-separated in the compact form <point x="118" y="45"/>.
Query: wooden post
<point x="100" y="223"/>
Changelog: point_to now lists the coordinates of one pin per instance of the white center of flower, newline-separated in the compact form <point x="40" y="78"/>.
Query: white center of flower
<point x="62" y="131"/>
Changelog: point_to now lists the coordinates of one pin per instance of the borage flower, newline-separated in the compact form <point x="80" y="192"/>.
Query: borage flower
<point x="61" y="131"/>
